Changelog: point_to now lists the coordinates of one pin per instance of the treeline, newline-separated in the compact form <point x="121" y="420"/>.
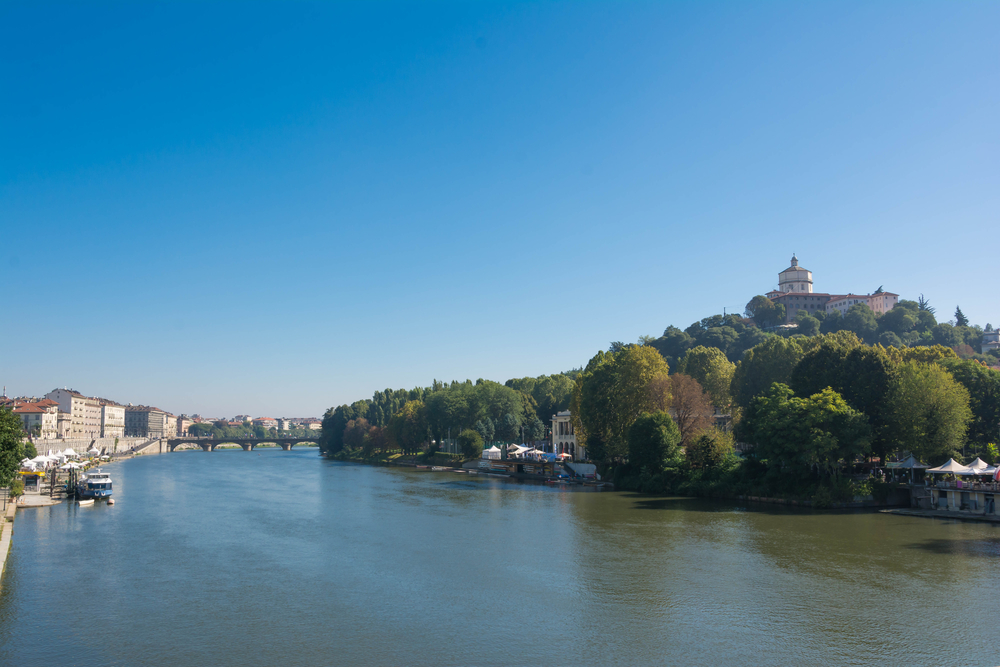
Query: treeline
<point x="909" y="324"/>
<point x="804" y="410"/>
<point x="407" y="420"/>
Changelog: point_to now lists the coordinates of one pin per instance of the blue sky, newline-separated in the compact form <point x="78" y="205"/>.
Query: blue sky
<point x="272" y="208"/>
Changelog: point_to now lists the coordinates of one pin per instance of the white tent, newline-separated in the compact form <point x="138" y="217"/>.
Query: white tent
<point x="492" y="453"/>
<point x="69" y="452"/>
<point x="954" y="468"/>
<point x="93" y="451"/>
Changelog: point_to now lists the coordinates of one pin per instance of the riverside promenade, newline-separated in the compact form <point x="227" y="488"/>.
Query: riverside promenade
<point x="6" y="531"/>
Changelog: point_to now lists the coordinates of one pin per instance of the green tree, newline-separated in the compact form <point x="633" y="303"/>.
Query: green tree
<point x="653" y="440"/>
<point x="29" y="450"/>
<point x="331" y="439"/>
<point x="983" y="385"/>
<point x="673" y="344"/>
<point x="771" y="361"/>
<point x="470" y="443"/>
<point x="764" y="312"/>
<point x="407" y="429"/>
<point x="808" y="325"/>
<point x="819" y="433"/>
<point x="709" y="450"/>
<point x="485" y="428"/>
<point x="534" y="429"/>
<point x="11" y="447"/>
<point x="946" y="335"/>
<point x="927" y="412"/>
<point x="610" y="394"/>
<point x="861" y="320"/>
<point x="713" y="371"/>
<point x="960" y="319"/>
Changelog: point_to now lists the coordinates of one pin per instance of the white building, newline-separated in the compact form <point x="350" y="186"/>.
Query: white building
<point x="40" y="421"/>
<point x="112" y="420"/>
<point x="795" y="292"/>
<point x="84" y="412"/>
<point x="564" y="437"/>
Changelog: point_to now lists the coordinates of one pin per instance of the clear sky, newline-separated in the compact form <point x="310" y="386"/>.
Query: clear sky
<point x="272" y="208"/>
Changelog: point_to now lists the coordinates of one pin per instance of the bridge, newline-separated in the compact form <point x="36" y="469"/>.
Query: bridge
<point x="209" y="443"/>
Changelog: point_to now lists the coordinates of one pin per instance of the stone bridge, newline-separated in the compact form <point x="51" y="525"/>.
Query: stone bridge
<point x="209" y="444"/>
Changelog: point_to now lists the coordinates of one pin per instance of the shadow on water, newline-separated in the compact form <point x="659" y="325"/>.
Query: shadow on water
<point x="981" y="548"/>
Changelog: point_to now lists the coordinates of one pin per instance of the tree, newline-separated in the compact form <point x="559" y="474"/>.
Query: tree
<point x="485" y="428"/>
<point x="983" y="385"/>
<point x="861" y="320"/>
<point x="660" y="398"/>
<point x="808" y="325"/>
<point x="673" y="344"/>
<point x="11" y="447"/>
<point x="355" y="432"/>
<point x="960" y="319"/>
<point x="927" y="412"/>
<point x="924" y="305"/>
<point x="610" y="394"/>
<point x="946" y="335"/>
<point x="764" y="312"/>
<point x="692" y="407"/>
<point x="889" y="339"/>
<point x="534" y="429"/>
<point x="470" y="443"/>
<point x="709" y="450"/>
<point x="713" y="371"/>
<point x="508" y="428"/>
<point x="408" y="428"/>
<point x="771" y="361"/>
<point x="817" y="433"/>
<point x="29" y="450"/>
<point x="331" y="439"/>
<point x="653" y="439"/>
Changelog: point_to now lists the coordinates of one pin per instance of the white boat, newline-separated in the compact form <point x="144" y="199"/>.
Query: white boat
<point x="94" y="484"/>
<point x="84" y="503"/>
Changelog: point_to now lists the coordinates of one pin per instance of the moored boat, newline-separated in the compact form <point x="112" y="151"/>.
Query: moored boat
<point x="95" y="485"/>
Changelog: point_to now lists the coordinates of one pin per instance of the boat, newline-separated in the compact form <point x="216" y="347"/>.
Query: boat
<point x="439" y="468"/>
<point x="95" y="484"/>
<point x="84" y="503"/>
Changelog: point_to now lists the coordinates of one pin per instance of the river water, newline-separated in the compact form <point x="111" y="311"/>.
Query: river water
<point x="282" y="558"/>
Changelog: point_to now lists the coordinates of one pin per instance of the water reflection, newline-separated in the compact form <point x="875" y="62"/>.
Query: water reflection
<point x="231" y="558"/>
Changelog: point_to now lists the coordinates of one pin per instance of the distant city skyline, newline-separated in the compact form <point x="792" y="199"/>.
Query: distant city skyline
<point x="272" y="209"/>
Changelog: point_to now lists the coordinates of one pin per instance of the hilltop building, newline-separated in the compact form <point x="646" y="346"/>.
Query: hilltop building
<point x="991" y="339"/>
<point x="795" y="292"/>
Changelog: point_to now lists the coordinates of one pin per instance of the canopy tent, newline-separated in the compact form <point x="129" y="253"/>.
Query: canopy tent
<point x="69" y="452"/>
<point x="70" y="466"/>
<point x="93" y="451"/>
<point x="492" y="453"/>
<point x="909" y="463"/>
<point x="978" y="464"/>
<point x="953" y="468"/>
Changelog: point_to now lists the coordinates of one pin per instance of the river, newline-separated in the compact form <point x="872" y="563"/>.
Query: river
<point x="282" y="558"/>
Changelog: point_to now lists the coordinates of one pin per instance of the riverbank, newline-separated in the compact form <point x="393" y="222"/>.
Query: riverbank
<point x="6" y="533"/>
<point x="943" y="514"/>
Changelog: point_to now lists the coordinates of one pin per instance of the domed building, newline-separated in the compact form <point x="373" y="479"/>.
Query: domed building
<point x="795" y="292"/>
<point x="795" y="278"/>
